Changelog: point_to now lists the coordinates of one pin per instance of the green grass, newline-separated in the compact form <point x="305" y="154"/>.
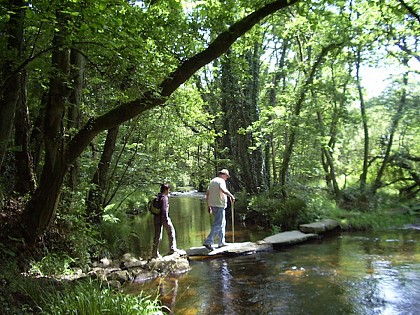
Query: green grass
<point x="87" y="298"/>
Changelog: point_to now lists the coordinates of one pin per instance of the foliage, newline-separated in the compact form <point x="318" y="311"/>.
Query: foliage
<point x="115" y="230"/>
<point x="88" y="298"/>
<point x="373" y="220"/>
<point x="52" y="264"/>
<point x="267" y="209"/>
<point x="20" y="293"/>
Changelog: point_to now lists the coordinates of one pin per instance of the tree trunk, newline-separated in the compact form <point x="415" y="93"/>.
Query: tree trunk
<point x="240" y="111"/>
<point x="10" y="76"/>
<point x="242" y="114"/>
<point x="363" y="176"/>
<point x="77" y="62"/>
<point x="288" y="151"/>
<point x="327" y="150"/>
<point x="392" y="129"/>
<point x="278" y="77"/>
<point x="23" y="159"/>
<point x="96" y="197"/>
<point x="37" y="137"/>
<point x="230" y="96"/>
<point x="41" y="208"/>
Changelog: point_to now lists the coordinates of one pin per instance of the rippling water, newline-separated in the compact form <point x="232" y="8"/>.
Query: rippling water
<point x="348" y="273"/>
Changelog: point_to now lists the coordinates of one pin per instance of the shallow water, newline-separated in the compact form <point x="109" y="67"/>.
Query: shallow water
<point x="346" y="273"/>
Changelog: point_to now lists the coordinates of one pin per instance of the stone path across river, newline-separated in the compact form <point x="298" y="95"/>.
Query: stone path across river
<point x="129" y="268"/>
<point x="306" y="232"/>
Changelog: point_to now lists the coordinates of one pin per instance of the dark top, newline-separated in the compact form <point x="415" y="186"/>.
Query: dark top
<point x="164" y="206"/>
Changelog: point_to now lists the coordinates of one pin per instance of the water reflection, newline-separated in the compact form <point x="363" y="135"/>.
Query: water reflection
<point x="353" y="273"/>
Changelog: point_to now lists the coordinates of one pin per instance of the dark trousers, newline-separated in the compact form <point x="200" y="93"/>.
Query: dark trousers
<point x="160" y="222"/>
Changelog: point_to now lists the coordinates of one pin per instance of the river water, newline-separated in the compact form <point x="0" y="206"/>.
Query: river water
<point x="346" y="273"/>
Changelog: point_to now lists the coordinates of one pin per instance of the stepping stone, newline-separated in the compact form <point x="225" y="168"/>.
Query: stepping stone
<point x="240" y="248"/>
<point x="289" y="237"/>
<point x="319" y="227"/>
<point x="231" y="249"/>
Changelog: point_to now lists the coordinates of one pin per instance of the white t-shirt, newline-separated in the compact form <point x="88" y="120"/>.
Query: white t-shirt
<point x="217" y="197"/>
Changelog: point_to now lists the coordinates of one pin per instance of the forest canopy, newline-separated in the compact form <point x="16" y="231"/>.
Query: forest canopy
<point x="100" y="99"/>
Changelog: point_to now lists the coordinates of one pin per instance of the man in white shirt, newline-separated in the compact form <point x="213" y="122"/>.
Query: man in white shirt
<point x="216" y="196"/>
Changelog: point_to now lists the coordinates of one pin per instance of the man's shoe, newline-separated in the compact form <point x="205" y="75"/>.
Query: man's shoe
<point x="172" y="251"/>
<point x="222" y="245"/>
<point x="208" y="246"/>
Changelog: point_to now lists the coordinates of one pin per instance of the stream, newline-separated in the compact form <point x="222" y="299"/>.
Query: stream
<point x="347" y="273"/>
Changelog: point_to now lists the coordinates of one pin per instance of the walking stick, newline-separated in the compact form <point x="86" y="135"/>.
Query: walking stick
<point x="233" y="223"/>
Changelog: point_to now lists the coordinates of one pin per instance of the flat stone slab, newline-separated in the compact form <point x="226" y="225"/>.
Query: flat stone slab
<point x="319" y="227"/>
<point x="230" y="249"/>
<point x="289" y="237"/>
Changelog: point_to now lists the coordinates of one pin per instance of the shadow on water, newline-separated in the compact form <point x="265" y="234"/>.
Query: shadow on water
<point x="350" y="273"/>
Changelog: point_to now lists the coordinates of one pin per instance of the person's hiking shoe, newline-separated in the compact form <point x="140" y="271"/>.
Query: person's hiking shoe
<point x="222" y="245"/>
<point x="208" y="246"/>
<point x="173" y="251"/>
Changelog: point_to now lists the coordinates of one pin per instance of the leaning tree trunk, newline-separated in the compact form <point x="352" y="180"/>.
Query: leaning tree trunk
<point x="40" y="209"/>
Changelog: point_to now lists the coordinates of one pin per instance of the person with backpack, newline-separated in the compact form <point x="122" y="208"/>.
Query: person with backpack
<point x="216" y="196"/>
<point x="163" y="220"/>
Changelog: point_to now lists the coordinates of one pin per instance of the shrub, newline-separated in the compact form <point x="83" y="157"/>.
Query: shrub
<point x="266" y="209"/>
<point x="115" y="230"/>
<point x="261" y="209"/>
<point x="291" y="214"/>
